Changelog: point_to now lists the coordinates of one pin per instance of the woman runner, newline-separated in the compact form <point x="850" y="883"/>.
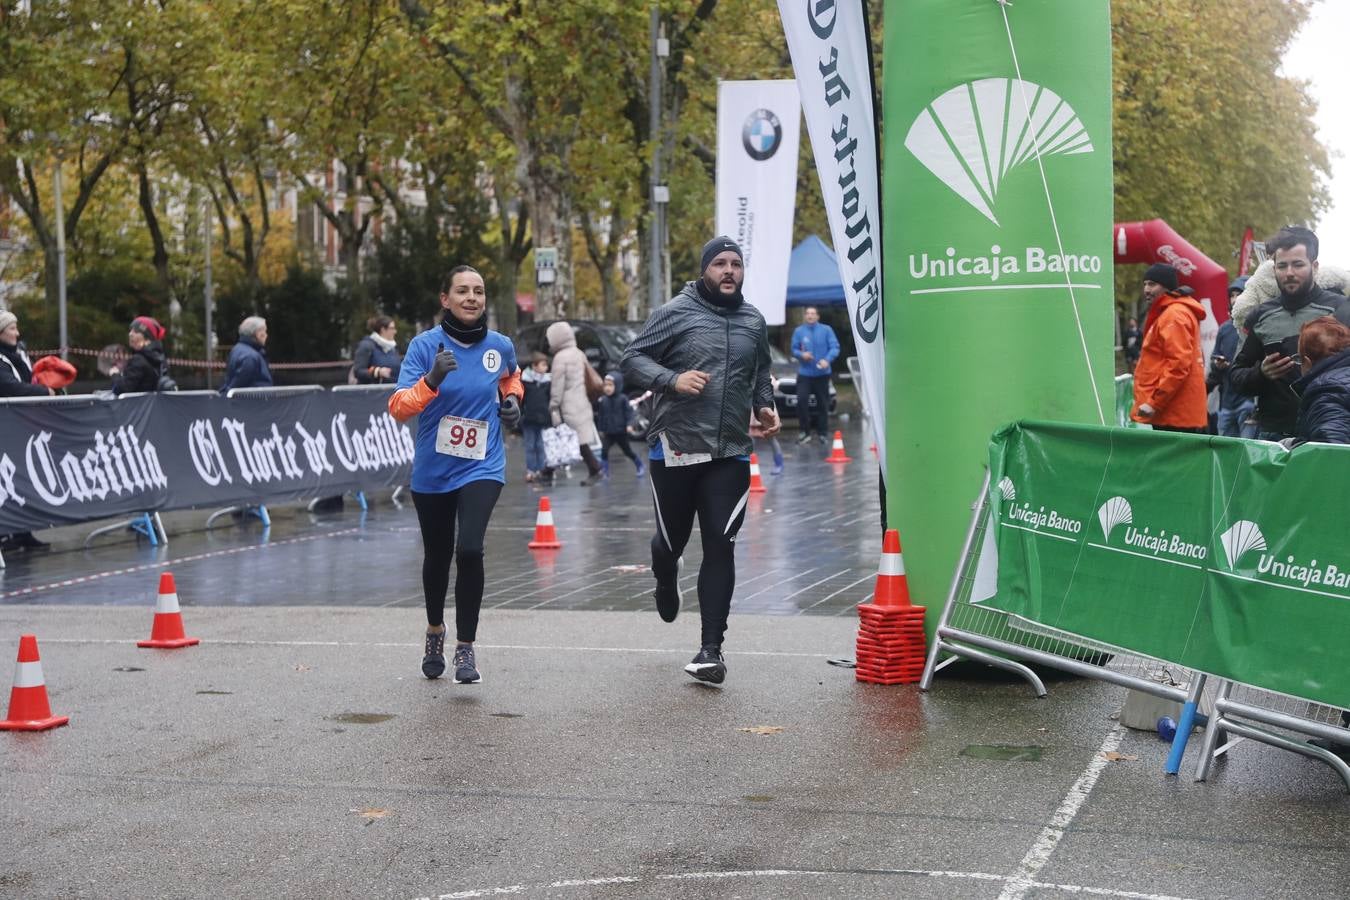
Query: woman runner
<point x="462" y="381"/>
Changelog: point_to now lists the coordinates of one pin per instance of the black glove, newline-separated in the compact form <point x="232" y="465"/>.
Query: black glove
<point x="509" y="411"/>
<point x="441" y="366"/>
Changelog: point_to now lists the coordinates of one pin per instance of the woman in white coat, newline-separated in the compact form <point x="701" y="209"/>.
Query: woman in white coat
<point x="568" y="401"/>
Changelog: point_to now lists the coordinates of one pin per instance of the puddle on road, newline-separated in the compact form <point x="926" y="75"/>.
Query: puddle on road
<point x="361" y="718"/>
<point x="507" y="715"/>
<point x="128" y="669"/>
<point x="217" y="693"/>
<point x="1004" y="752"/>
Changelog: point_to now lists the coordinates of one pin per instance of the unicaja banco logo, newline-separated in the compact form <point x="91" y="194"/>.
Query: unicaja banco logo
<point x="1113" y="512"/>
<point x="976" y="133"/>
<point x="1006" y="488"/>
<point x="1241" y="537"/>
<point x="762" y="134"/>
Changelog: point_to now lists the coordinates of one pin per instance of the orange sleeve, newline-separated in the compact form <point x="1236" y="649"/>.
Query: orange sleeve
<point x="510" y="384"/>
<point x="408" y="402"/>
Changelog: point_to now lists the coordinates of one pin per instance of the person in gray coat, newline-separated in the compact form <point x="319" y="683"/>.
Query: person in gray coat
<point x="568" y="403"/>
<point x="705" y="355"/>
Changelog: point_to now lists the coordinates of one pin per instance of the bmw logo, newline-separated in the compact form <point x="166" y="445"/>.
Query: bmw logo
<point x="762" y="134"/>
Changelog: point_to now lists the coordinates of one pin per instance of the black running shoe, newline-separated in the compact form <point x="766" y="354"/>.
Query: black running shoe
<point x="669" y="598"/>
<point x="466" y="671"/>
<point x="433" y="660"/>
<point x="708" y="665"/>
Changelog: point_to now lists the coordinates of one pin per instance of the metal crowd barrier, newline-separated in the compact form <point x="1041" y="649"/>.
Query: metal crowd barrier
<point x="1008" y="641"/>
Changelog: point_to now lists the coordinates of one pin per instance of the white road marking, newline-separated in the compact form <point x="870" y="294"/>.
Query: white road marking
<point x="787" y="873"/>
<point x="1023" y="879"/>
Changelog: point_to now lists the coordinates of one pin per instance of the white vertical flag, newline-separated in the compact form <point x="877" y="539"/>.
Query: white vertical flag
<point x="830" y="53"/>
<point x="758" y="131"/>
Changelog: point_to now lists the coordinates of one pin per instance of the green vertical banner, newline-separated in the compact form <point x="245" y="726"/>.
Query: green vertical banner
<point x="997" y="204"/>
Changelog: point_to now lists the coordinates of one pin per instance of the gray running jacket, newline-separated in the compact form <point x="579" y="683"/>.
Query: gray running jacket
<point x="731" y="345"/>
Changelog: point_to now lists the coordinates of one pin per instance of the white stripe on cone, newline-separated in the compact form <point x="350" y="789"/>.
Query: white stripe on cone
<point x="545" y="518"/>
<point x="891" y="564"/>
<point x="167" y="603"/>
<point x="754" y="469"/>
<point x="28" y="675"/>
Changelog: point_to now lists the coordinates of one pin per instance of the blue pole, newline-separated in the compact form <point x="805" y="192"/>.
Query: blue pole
<point x="1184" y="727"/>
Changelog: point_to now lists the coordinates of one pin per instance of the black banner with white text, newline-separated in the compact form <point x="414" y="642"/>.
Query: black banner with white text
<point x="82" y="459"/>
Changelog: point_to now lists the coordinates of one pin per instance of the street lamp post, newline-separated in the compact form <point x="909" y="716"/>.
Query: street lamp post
<point x="660" y="193"/>
<point x="207" y="294"/>
<point x="64" y="337"/>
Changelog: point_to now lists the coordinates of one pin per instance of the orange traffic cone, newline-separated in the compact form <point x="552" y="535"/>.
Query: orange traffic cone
<point x="892" y="585"/>
<point x="545" y="535"/>
<point x="756" y="482"/>
<point x="891" y="644"/>
<point x="167" y="630"/>
<point x="837" y="451"/>
<point x="28" y="706"/>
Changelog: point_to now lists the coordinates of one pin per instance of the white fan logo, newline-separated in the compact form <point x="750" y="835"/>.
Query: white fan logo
<point x="1113" y="512"/>
<point x="1007" y="489"/>
<point x="975" y="133"/>
<point x="1240" y="538"/>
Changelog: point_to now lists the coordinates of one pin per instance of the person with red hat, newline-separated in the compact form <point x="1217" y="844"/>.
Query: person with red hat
<point x="147" y="365"/>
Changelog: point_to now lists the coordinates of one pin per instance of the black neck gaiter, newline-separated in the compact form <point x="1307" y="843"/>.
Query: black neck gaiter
<point x="717" y="298"/>
<point x="465" y="334"/>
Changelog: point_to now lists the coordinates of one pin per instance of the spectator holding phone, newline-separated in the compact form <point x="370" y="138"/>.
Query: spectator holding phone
<point x="1235" y="409"/>
<point x="1267" y="365"/>
<point x="1169" y="381"/>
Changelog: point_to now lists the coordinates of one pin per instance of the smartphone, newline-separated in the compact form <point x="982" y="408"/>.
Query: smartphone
<point x="1286" y="347"/>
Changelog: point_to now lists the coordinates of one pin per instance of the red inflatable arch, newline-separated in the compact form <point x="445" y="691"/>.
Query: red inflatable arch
<point x="1155" y="241"/>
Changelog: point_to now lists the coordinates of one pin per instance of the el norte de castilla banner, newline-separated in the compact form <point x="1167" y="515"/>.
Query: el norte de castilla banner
<point x="831" y="55"/>
<point x="87" y="458"/>
<point x="1221" y="555"/>
<point x="758" y="136"/>
<point x="998" y="213"/>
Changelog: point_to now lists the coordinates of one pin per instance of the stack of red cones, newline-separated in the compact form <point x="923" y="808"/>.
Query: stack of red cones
<point x="891" y="642"/>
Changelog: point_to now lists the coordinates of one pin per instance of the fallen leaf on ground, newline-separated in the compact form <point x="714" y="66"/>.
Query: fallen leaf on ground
<point x="301" y="667"/>
<point x="371" y="813"/>
<point x="1113" y="756"/>
<point x="762" y="729"/>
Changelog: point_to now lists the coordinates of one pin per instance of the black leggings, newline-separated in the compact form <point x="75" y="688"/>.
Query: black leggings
<point x="436" y="513"/>
<point x="717" y="492"/>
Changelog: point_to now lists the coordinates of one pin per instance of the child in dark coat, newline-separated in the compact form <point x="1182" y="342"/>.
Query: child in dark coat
<point x="613" y="412"/>
<point x="534" y="417"/>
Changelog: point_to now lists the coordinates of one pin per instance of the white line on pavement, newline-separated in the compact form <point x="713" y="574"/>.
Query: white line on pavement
<point x="1021" y="881"/>
<point x="788" y="873"/>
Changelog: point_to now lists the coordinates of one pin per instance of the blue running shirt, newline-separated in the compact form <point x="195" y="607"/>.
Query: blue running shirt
<point x="469" y="392"/>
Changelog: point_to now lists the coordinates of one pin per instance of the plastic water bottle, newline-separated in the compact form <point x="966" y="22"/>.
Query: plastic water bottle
<point x="1167" y="729"/>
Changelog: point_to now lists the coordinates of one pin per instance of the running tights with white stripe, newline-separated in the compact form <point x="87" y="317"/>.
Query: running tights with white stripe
<point x="716" y="492"/>
<point x="470" y="505"/>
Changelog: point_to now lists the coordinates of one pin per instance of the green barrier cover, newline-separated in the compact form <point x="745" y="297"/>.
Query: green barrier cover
<point x="1223" y="555"/>
<point x="981" y="279"/>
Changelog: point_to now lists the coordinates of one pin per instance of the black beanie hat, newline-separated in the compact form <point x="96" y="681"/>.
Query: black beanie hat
<point x="716" y="246"/>
<point x="1162" y="273"/>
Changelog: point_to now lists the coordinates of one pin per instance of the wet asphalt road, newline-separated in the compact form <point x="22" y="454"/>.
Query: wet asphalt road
<point x="297" y="752"/>
<point x="809" y="545"/>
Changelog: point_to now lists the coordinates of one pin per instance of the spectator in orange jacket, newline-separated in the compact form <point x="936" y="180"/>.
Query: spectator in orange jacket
<point x="1169" y="381"/>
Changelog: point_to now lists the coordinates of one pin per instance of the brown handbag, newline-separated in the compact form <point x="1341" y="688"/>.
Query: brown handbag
<point x="595" y="385"/>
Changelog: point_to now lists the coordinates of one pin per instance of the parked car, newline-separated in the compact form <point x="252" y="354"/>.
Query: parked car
<point x="784" y="369"/>
<point x="602" y="342"/>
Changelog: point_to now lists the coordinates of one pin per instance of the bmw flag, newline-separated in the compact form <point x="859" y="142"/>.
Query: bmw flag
<point x="758" y="129"/>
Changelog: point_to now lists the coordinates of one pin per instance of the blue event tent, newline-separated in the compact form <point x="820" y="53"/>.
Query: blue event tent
<point x="813" y="275"/>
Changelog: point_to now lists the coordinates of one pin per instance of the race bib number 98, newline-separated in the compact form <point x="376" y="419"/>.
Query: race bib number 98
<point x="465" y="438"/>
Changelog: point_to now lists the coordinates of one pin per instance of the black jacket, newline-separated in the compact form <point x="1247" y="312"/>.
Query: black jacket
<point x="142" y="371"/>
<point x="534" y="409"/>
<point x="730" y="344"/>
<point x="16" y="373"/>
<point x="1324" y="413"/>
<point x="1278" y="322"/>
<point x="246" y="366"/>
